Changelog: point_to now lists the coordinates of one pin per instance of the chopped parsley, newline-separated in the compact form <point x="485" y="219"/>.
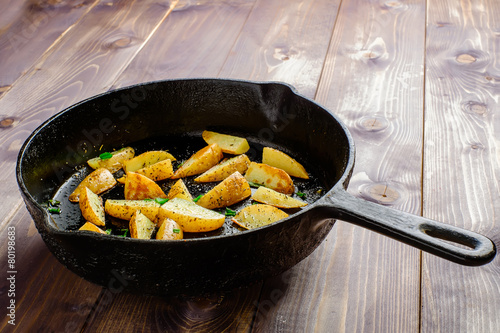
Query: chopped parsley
<point x="300" y="194"/>
<point x="54" y="210"/>
<point x="105" y="156"/>
<point x="176" y="231"/>
<point x="230" y="212"/>
<point x="161" y="201"/>
<point x="197" y="198"/>
<point x="252" y="184"/>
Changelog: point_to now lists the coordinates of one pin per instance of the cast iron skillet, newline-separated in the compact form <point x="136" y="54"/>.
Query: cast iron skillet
<point x="171" y="111"/>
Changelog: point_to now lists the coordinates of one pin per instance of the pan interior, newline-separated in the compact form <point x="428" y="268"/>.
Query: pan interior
<point x="171" y="115"/>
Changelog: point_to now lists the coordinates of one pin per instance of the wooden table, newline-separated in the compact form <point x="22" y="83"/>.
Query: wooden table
<point x="417" y="83"/>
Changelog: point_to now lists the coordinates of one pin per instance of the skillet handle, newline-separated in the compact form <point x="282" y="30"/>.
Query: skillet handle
<point x="425" y="234"/>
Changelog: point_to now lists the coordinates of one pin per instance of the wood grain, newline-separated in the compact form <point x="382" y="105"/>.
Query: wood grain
<point x="373" y="80"/>
<point x="35" y="27"/>
<point x="194" y="41"/>
<point x="48" y="297"/>
<point x="462" y="168"/>
<point x="284" y="41"/>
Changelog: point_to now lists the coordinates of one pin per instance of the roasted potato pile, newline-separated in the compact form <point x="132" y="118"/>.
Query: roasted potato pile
<point x="152" y="212"/>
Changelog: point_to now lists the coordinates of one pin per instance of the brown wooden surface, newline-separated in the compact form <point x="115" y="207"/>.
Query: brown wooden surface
<point x="415" y="81"/>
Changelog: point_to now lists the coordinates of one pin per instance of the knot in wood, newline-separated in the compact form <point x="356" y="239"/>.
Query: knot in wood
<point x="383" y="194"/>
<point x="6" y="122"/>
<point x="473" y="107"/>
<point x="373" y="124"/>
<point x="465" y="58"/>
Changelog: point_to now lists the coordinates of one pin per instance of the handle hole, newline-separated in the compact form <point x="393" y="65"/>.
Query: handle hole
<point x="450" y="237"/>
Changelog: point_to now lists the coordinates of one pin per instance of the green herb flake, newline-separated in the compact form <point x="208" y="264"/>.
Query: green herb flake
<point x="105" y="156"/>
<point x="176" y="231"/>
<point x="197" y="198"/>
<point x="125" y="232"/>
<point x="54" y="203"/>
<point x="230" y="212"/>
<point x="300" y="194"/>
<point x="55" y="210"/>
<point x="252" y="184"/>
<point x="147" y="199"/>
<point x="161" y="201"/>
<point x="108" y="231"/>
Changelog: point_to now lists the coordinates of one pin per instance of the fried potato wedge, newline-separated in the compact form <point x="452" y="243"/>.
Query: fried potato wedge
<point x="224" y="169"/>
<point x="113" y="163"/>
<point x="146" y="159"/>
<point x="91" y="207"/>
<point x="88" y="226"/>
<point x="258" y="215"/>
<point x="125" y="209"/>
<point x="169" y="230"/>
<point x="271" y="197"/>
<point x="179" y="190"/>
<point x="158" y="171"/>
<point x="140" y="226"/>
<point x="279" y="159"/>
<point x="98" y="181"/>
<point x="271" y="177"/>
<point x="139" y="187"/>
<point x="228" y="143"/>
<point x="190" y="216"/>
<point x="231" y="190"/>
<point x="200" y="161"/>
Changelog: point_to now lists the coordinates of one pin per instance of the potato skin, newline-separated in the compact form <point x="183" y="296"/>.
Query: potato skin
<point x="271" y="177"/>
<point x="167" y="230"/>
<point x="139" y="187"/>
<point x="225" y="169"/>
<point x="271" y="197"/>
<point x="229" y="143"/>
<point x="89" y="226"/>
<point x="91" y="207"/>
<point x="258" y="215"/>
<point x="140" y="226"/>
<point x="190" y="216"/>
<point x="158" y="171"/>
<point x="125" y="209"/>
<point x="231" y="190"/>
<point x="179" y="190"/>
<point x="200" y="161"/>
<point x="146" y="159"/>
<point x="279" y="159"/>
<point x="114" y="163"/>
<point x="98" y="181"/>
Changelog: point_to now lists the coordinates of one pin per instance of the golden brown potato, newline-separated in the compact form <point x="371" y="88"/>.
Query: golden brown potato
<point x="139" y="187"/>
<point x="113" y="163"/>
<point x="146" y="159"/>
<point x="278" y="159"/>
<point x="124" y="209"/>
<point x="231" y="190"/>
<point x="158" y="171"/>
<point x="224" y="169"/>
<point x="190" y="216"/>
<point x="140" y="226"/>
<point x="258" y="215"/>
<point x="229" y="144"/>
<point x="269" y="176"/>
<point x="169" y="230"/>
<point x="91" y="207"/>
<point x="98" y="181"/>
<point x="91" y="227"/>
<point x="179" y="190"/>
<point x="200" y="161"/>
<point x="271" y="197"/>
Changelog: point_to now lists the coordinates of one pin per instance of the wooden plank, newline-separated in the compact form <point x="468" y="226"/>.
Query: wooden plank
<point x="284" y="41"/>
<point x="358" y="280"/>
<point x="35" y="26"/>
<point x="462" y="160"/>
<point x="194" y="42"/>
<point x="57" y="301"/>
<point x="85" y="61"/>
